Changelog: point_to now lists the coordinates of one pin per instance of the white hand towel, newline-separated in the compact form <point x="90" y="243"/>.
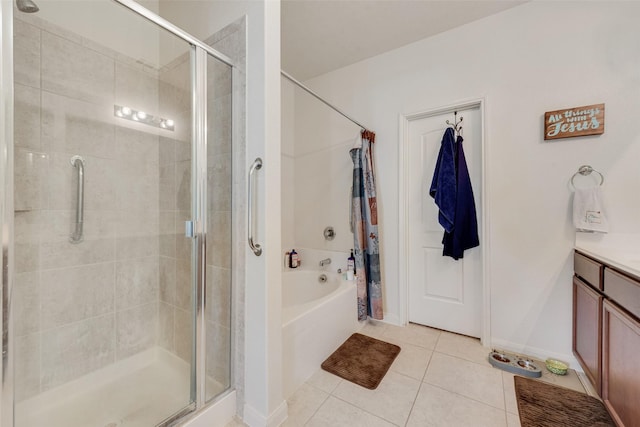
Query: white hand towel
<point x="588" y="210"/>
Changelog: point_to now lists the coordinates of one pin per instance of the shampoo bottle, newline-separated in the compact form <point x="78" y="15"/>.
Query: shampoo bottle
<point x="294" y="260"/>
<point x="351" y="266"/>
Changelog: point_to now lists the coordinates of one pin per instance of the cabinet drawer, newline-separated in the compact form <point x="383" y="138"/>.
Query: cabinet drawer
<point x="623" y="290"/>
<point x="589" y="270"/>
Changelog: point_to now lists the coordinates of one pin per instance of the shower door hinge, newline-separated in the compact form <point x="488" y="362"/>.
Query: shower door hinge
<point x="189" y="229"/>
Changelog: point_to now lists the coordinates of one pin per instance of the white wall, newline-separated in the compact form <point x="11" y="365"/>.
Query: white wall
<point x="537" y="57"/>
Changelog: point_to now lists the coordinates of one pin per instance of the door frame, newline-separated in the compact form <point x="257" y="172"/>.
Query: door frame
<point x="403" y="206"/>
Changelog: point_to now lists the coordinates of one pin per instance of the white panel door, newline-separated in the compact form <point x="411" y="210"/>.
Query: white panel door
<point x="443" y="293"/>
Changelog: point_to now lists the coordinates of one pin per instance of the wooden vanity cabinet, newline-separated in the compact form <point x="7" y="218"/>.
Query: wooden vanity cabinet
<point x="621" y="365"/>
<point x="587" y="327"/>
<point x="606" y="335"/>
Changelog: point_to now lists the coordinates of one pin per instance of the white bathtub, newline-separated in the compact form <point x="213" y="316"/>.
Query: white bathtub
<point x="316" y="319"/>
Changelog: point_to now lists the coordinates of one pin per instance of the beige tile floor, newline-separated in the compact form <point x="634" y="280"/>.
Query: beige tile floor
<point x="438" y="379"/>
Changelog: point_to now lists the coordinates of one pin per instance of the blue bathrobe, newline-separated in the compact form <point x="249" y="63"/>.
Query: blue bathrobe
<point x="464" y="232"/>
<point x="443" y="184"/>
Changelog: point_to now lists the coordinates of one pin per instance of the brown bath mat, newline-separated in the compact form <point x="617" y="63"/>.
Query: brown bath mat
<point x="544" y="405"/>
<point x="362" y="360"/>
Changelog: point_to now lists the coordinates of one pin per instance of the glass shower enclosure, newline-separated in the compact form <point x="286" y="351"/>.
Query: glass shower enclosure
<point x="117" y="295"/>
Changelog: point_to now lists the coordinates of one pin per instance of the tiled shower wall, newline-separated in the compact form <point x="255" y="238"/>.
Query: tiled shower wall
<point x="80" y="307"/>
<point x="127" y="287"/>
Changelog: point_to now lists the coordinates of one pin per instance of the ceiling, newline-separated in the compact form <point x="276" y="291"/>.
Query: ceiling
<point x="319" y="36"/>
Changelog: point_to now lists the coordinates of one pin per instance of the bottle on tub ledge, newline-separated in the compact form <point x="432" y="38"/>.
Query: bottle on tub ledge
<point x="351" y="266"/>
<point x="294" y="259"/>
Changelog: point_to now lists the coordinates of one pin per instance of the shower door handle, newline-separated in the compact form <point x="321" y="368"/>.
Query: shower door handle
<point x="78" y="163"/>
<point x="255" y="247"/>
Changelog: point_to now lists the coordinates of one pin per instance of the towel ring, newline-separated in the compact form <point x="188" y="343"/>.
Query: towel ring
<point x="585" y="170"/>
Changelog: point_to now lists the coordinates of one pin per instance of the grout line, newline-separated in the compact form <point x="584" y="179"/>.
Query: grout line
<point x="414" y="402"/>
<point x="365" y="411"/>
<point x="466" y="397"/>
<point x="487" y="365"/>
<point x="318" y="408"/>
<point x="504" y="399"/>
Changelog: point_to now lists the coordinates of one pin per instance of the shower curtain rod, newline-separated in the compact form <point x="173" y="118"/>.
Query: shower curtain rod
<point x="296" y="82"/>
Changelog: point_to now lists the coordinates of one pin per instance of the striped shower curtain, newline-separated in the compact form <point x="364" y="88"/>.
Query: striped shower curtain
<point x="365" y="230"/>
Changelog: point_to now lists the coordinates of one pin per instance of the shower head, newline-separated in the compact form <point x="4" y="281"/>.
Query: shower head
<point x="27" y="6"/>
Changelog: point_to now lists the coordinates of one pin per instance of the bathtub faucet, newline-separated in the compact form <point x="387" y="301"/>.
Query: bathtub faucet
<point x="325" y="262"/>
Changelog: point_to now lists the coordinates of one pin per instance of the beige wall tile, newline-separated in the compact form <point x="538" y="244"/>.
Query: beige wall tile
<point x="136" y="282"/>
<point x="167" y="187"/>
<point x="30" y="180"/>
<point x="58" y="225"/>
<point x="184" y="291"/>
<point x="26" y="303"/>
<point x="166" y="326"/>
<point x="219" y="182"/>
<point x="136" y="247"/>
<point x="26" y="117"/>
<point x="73" y="294"/>
<point x="99" y="183"/>
<point x="136" y="329"/>
<point x="218" y="296"/>
<point x="138" y="222"/>
<point x="166" y="151"/>
<point x="28" y="226"/>
<point x="183" y="185"/>
<point x="167" y="244"/>
<point x="26" y="53"/>
<point x="59" y="254"/>
<point x="168" y="280"/>
<point x="218" y="353"/>
<point x="27" y="366"/>
<point x="75" y="71"/>
<point x="75" y="126"/>
<point x="219" y="240"/>
<point x="218" y="79"/>
<point x="76" y="349"/>
<point x="137" y="151"/>
<point x="220" y="125"/>
<point x="183" y="336"/>
<point x="136" y="89"/>
<point x="27" y="257"/>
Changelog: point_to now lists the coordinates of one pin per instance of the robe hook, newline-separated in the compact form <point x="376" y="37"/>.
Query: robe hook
<point x="456" y="124"/>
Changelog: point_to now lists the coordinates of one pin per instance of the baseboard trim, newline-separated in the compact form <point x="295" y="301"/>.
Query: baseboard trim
<point x="392" y="319"/>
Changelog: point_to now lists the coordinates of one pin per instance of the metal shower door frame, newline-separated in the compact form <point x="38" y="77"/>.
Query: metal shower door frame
<point x="199" y="54"/>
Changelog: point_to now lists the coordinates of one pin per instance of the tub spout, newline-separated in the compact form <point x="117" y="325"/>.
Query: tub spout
<point x="325" y="262"/>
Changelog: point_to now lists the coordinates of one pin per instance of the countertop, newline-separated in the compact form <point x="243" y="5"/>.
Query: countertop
<point x="619" y="250"/>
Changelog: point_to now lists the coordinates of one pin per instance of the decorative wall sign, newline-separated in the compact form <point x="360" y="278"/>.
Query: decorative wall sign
<point x="577" y="121"/>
